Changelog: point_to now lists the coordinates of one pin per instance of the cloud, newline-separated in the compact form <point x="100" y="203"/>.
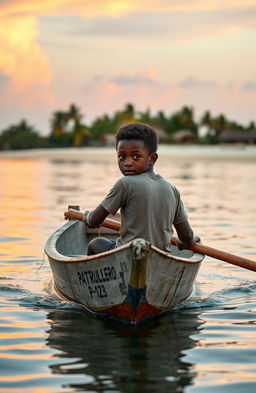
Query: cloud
<point x="146" y="77"/>
<point x="99" y="29"/>
<point x="141" y="89"/>
<point x="3" y="79"/>
<point x="21" y="57"/>
<point x="104" y="95"/>
<point x="85" y="8"/>
<point x="88" y="8"/>
<point x="194" y="83"/>
<point x="144" y="89"/>
<point x="162" y="27"/>
<point x="198" y="5"/>
<point x="142" y="78"/>
<point x="250" y="85"/>
<point x="22" y="61"/>
<point x="128" y="17"/>
<point x="128" y="80"/>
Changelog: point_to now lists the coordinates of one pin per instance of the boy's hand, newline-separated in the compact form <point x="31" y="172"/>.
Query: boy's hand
<point x="196" y="239"/>
<point x="182" y="245"/>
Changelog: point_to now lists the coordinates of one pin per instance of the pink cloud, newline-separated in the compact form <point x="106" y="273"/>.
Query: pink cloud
<point x="105" y="96"/>
<point x="23" y="62"/>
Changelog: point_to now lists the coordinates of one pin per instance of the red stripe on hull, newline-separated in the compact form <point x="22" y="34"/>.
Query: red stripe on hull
<point x="126" y="313"/>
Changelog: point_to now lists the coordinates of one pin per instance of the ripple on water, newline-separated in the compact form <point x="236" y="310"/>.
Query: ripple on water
<point x="47" y="344"/>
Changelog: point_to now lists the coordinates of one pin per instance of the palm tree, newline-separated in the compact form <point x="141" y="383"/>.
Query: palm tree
<point x="187" y="118"/>
<point x="145" y="117"/>
<point x="182" y="120"/>
<point x="215" y="126"/>
<point x="251" y="126"/>
<point x="127" y="115"/>
<point x="129" y="111"/>
<point x="58" y="123"/>
<point x="74" y="113"/>
<point x="206" y="119"/>
<point x="78" y="129"/>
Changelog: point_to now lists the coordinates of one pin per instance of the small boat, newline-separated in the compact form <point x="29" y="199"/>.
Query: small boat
<point x="132" y="283"/>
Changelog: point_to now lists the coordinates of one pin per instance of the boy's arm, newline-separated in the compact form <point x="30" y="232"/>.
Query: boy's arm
<point x="95" y="217"/>
<point x="185" y="234"/>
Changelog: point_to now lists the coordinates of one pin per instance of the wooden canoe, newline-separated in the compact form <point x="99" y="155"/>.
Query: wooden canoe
<point x="131" y="283"/>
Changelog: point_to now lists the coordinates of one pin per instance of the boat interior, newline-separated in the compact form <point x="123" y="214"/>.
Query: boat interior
<point x="76" y="237"/>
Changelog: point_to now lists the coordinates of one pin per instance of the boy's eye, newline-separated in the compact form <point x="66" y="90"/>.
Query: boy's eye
<point x="122" y="157"/>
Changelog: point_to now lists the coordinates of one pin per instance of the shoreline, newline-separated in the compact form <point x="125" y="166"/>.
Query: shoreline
<point x="188" y="152"/>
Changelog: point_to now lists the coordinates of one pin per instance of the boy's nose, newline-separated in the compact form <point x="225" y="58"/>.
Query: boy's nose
<point x="128" y="162"/>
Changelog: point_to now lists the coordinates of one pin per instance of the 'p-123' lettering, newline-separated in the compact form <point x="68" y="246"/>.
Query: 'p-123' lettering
<point x="98" y="290"/>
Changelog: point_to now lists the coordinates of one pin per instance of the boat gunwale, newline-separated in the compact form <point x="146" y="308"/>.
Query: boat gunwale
<point x="51" y="251"/>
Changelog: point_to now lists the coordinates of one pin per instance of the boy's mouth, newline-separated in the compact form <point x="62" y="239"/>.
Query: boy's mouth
<point x="129" y="172"/>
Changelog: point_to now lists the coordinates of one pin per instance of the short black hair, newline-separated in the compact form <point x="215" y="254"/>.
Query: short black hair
<point x="139" y="131"/>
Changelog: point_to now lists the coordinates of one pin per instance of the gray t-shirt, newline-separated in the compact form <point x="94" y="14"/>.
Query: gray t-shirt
<point x="149" y="206"/>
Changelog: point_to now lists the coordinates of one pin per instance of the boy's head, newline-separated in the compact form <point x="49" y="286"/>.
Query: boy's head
<point x="136" y="146"/>
<point x="141" y="132"/>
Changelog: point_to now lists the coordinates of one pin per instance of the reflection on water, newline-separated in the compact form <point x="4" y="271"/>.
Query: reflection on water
<point x="103" y="356"/>
<point x="47" y="345"/>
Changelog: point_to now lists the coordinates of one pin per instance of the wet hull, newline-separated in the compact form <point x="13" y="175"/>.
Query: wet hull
<point x="132" y="283"/>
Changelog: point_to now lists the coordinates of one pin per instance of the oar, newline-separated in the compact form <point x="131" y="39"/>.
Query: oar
<point x="73" y="214"/>
<point x="196" y="247"/>
<point x="222" y="255"/>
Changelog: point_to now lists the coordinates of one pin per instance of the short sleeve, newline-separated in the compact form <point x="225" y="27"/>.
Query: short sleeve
<point x="115" y="198"/>
<point x="180" y="214"/>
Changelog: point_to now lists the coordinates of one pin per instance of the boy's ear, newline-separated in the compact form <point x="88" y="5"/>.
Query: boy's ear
<point x="153" y="158"/>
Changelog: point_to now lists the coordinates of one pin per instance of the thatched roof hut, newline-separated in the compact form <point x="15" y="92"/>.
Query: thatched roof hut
<point x="183" y="137"/>
<point x="248" y="137"/>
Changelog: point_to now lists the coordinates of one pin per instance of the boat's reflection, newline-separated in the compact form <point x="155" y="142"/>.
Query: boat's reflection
<point x="100" y="356"/>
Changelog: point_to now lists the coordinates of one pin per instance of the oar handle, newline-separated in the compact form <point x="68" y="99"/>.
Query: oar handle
<point x="72" y="214"/>
<point x="196" y="247"/>
<point x="81" y="216"/>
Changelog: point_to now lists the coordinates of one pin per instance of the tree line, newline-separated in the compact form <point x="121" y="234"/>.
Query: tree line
<point x="68" y="129"/>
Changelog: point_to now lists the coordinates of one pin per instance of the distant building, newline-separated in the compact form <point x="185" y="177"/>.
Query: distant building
<point x="162" y="136"/>
<point x="247" y="137"/>
<point x="109" y="139"/>
<point x="183" y="137"/>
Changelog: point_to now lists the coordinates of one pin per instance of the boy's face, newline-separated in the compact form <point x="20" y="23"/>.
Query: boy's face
<point x="134" y="157"/>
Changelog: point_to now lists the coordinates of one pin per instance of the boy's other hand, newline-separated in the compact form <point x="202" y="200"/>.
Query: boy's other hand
<point x="181" y="245"/>
<point x="196" y="239"/>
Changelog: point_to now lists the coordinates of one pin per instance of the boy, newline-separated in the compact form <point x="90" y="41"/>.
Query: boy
<point x="149" y="205"/>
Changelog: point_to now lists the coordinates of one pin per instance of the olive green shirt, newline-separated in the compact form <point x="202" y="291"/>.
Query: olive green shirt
<point x="149" y="207"/>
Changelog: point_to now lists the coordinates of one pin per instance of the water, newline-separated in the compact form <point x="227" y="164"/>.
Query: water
<point x="47" y="345"/>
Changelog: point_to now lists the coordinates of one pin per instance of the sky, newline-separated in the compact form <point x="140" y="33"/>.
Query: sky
<point x="102" y="54"/>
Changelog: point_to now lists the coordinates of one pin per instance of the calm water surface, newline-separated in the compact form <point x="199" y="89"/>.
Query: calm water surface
<point x="47" y="345"/>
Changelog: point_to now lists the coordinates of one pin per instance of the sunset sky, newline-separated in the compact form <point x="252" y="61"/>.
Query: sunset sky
<point x="102" y="54"/>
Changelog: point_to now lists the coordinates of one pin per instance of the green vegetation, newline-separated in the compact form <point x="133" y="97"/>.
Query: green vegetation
<point x="21" y="136"/>
<point x="67" y="128"/>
